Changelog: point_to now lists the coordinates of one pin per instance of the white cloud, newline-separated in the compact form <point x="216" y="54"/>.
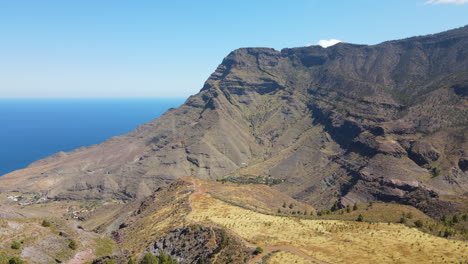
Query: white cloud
<point x="327" y="42"/>
<point x="438" y="2"/>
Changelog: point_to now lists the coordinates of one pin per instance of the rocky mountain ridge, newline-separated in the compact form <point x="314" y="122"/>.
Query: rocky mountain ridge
<point x="344" y="124"/>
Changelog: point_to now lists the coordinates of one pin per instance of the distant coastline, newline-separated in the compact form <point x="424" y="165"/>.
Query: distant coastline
<point x="33" y="129"/>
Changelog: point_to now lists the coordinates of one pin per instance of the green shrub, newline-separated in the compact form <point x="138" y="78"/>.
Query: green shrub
<point x="418" y="223"/>
<point x="166" y="259"/>
<point x="402" y="220"/>
<point x="258" y="250"/>
<point x="335" y="207"/>
<point x="72" y="244"/>
<point x="131" y="261"/>
<point x="45" y="223"/>
<point x="16" y="245"/>
<point x="15" y="260"/>
<point x="360" y="218"/>
<point x="448" y="233"/>
<point x="149" y="258"/>
<point x="355" y="207"/>
<point x="348" y="208"/>
<point x="435" y="172"/>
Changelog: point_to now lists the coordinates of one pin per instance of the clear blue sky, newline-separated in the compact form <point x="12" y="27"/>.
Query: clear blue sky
<point x="113" y="48"/>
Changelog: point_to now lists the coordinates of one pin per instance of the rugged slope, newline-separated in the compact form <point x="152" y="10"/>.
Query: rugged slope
<point x="345" y="124"/>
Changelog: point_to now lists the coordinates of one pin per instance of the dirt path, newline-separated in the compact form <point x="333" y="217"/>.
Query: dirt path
<point x="81" y="257"/>
<point x="268" y="249"/>
<point x="199" y="190"/>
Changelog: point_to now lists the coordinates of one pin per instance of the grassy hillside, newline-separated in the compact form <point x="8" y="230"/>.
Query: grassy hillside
<point x="332" y="241"/>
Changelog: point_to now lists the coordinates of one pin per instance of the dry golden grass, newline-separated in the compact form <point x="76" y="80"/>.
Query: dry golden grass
<point x="255" y="196"/>
<point x="282" y="257"/>
<point x="332" y="241"/>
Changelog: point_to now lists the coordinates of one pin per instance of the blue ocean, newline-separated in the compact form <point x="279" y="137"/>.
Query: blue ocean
<point x="32" y="129"/>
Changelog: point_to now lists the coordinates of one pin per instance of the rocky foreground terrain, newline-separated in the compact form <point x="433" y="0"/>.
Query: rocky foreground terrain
<point x="327" y="128"/>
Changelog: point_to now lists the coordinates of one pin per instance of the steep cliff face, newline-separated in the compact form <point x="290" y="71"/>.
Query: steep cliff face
<point x="349" y="123"/>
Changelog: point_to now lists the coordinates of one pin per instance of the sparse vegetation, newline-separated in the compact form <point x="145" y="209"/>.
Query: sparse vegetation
<point x="45" y="223"/>
<point x="360" y="218"/>
<point x="73" y="245"/>
<point x="15" y="260"/>
<point x="16" y="245"/>
<point x="104" y="247"/>
<point x="418" y="223"/>
<point x="258" y="250"/>
<point x="149" y="258"/>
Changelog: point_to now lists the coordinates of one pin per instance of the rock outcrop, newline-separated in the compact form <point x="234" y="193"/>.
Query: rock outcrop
<point x="201" y="244"/>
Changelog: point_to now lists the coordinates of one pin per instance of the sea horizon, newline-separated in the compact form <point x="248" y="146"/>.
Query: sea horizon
<point x="35" y="128"/>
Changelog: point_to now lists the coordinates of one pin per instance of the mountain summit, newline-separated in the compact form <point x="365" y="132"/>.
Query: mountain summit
<point x="340" y="125"/>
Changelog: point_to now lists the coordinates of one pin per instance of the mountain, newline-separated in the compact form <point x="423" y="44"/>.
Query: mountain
<point x="340" y="125"/>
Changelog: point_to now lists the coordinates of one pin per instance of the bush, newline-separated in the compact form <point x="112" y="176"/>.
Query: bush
<point x="455" y="219"/>
<point x="335" y="207"/>
<point x="16" y="245"/>
<point x="360" y="218"/>
<point x="149" y="258"/>
<point x="348" y="209"/>
<point x="355" y="207"/>
<point x="15" y="260"/>
<point x="448" y="233"/>
<point x="258" y="250"/>
<point x="72" y="244"/>
<point x="402" y="220"/>
<point x="435" y="172"/>
<point x="166" y="259"/>
<point x="418" y="223"/>
<point x="45" y="223"/>
<point x="131" y="261"/>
